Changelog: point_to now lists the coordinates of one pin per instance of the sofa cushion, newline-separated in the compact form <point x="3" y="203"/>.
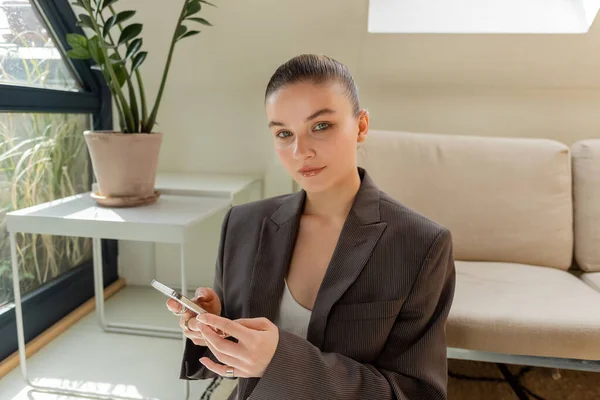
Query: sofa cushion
<point x="592" y="279"/>
<point x="524" y="309"/>
<point x="504" y="199"/>
<point x="586" y="198"/>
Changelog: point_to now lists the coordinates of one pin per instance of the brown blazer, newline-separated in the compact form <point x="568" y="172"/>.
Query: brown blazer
<point x="377" y="329"/>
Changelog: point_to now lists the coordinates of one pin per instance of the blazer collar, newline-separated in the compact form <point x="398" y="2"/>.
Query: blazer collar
<point x="360" y="233"/>
<point x="365" y="206"/>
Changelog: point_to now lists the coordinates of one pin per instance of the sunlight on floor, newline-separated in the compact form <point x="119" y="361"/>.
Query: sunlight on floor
<point x="103" y="388"/>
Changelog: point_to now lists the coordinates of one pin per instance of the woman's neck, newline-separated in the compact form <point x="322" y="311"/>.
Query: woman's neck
<point x="335" y="202"/>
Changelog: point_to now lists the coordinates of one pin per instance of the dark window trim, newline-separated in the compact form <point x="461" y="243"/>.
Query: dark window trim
<point x="51" y="302"/>
<point x="31" y="99"/>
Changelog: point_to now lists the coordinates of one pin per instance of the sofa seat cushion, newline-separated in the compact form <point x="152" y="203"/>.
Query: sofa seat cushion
<point x="592" y="279"/>
<point x="524" y="309"/>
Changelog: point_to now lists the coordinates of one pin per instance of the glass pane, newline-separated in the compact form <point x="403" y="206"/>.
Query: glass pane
<point x="42" y="157"/>
<point x="28" y="56"/>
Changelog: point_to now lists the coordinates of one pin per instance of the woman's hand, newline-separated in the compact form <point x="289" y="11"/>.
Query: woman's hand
<point x="206" y="298"/>
<point x="257" y="342"/>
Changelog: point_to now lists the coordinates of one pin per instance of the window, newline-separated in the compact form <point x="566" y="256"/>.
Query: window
<point x="28" y="55"/>
<point x="42" y="158"/>
<point x="481" y="16"/>
<point x="46" y="102"/>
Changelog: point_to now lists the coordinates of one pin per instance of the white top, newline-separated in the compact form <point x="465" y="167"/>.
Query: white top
<point x="168" y="220"/>
<point x="293" y="317"/>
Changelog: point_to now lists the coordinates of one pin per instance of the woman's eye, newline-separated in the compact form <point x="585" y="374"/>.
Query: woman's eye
<point x="284" y="134"/>
<point x="321" y="126"/>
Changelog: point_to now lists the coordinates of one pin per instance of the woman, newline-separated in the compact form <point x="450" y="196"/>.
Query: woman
<point x="337" y="291"/>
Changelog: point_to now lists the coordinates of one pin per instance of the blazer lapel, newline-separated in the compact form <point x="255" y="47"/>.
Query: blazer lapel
<point x="350" y="256"/>
<point x="358" y="238"/>
<point x="277" y="238"/>
<point x="276" y="244"/>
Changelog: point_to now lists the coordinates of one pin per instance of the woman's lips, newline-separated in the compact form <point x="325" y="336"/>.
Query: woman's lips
<point x="308" y="172"/>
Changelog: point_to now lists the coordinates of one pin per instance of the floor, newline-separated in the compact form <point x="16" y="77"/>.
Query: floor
<point x="84" y="357"/>
<point x="543" y="382"/>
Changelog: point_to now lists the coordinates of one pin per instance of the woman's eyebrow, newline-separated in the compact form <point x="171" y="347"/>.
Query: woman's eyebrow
<point x="311" y="117"/>
<point x="320" y="112"/>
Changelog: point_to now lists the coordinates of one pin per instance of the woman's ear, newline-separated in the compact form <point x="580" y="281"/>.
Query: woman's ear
<point x="363" y="126"/>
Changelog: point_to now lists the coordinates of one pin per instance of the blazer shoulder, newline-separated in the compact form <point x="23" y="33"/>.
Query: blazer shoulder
<point x="257" y="210"/>
<point x="404" y="219"/>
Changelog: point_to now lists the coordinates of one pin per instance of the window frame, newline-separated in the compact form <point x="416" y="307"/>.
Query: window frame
<point x="51" y="302"/>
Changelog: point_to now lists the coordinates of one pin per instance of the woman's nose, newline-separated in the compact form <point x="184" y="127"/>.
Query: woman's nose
<point x="302" y="148"/>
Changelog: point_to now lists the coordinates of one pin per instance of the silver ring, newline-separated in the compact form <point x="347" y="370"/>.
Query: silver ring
<point x="182" y="311"/>
<point x="229" y="372"/>
<point x="185" y="323"/>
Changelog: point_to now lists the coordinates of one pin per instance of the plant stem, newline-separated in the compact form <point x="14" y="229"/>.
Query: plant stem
<point x="138" y="75"/>
<point x="111" y="72"/>
<point x="152" y="119"/>
<point x="132" y="96"/>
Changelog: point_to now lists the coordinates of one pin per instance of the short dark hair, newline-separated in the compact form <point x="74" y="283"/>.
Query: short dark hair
<point x="318" y="69"/>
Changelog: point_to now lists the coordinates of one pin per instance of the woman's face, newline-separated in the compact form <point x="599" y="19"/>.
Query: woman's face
<point x="315" y="133"/>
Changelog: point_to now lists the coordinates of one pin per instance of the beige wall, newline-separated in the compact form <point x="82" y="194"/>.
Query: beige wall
<point x="213" y="116"/>
<point x="212" y="112"/>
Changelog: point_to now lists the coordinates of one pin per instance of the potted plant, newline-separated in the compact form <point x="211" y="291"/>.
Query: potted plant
<point x="125" y="162"/>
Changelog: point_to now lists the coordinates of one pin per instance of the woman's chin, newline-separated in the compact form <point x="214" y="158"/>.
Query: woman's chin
<point x="313" y="185"/>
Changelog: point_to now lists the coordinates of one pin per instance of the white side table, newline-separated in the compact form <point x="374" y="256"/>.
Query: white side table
<point x="172" y="219"/>
<point x="201" y="258"/>
<point x="238" y="188"/>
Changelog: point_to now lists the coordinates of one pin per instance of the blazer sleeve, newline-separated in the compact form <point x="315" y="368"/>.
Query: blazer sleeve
<point x="412" y="365"/>
<point x="191" y="367"/>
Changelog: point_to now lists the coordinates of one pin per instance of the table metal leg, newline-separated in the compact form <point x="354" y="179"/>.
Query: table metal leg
<point x="21" y="339"/>
<point x="132" y="329"/>
<point x="18" y="305"/>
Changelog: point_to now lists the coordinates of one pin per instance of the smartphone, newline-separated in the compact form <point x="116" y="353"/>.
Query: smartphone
<point x="178" y="297"/>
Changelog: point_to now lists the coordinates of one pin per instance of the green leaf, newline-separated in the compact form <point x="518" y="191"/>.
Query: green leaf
<point x="121" y="74"/>
<point x="130" y="32"/>
<point x="115" y="59"/>
<point x="189" y="33"/>
<point x="133" y="48"/>
<point x="181" y="30"/>
<point x="201" y="20"/>
<point x="78" y="3"/>
<point x="138" y="60"/>
<point x="95" y="50"/>
<point x="206" y="2"/>
<point x="76" y="41"/>
<point x="85" y="21"/>
<point x="117" y="19"/>
<point x="107" y="26"/>
<point x="79" y="53"/>
<point x="107" y="3"/>
<point x="192" y="8"/>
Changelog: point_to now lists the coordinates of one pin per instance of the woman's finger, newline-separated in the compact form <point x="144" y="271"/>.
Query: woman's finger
<point x="226" y="326"/>
<point x="221" y="369"/>
<point x="173" y="306"/>
<point x="194" y="336"/>
<point x="224" y="346"/>
<point x="186" y="319"/>
<point x="258" y="324"/>
<point x="198" y="341"/>
<point x="226" y="359"/>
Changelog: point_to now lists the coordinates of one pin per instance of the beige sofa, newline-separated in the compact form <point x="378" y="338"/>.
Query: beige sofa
<point x="525" y="219"/>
